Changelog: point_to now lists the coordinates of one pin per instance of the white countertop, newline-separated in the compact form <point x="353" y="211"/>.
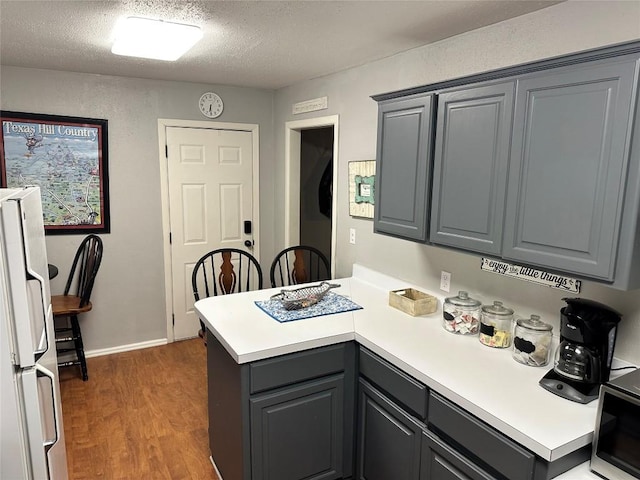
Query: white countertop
<point x="250" y="334"/>
<point x="485" y="381"/>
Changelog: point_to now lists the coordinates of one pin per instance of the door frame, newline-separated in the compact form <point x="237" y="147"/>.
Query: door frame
<point x="292" y="143"/>
<point x="163" y="124"/>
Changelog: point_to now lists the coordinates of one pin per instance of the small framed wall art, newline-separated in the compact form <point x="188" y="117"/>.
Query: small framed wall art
<point x="67" y="157"/>
<point x="362" y="184"/>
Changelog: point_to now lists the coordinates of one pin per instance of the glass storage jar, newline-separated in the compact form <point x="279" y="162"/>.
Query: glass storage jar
<point x="532" y="341"/>
<point x="461" y="314"/>
<point x="496" y="325"/>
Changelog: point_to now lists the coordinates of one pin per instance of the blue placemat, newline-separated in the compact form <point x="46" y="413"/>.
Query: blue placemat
<point x="330" y="303"/>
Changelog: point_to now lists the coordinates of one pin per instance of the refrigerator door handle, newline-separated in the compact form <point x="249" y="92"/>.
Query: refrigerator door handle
<point x="40" y="418"/>
<point x="39" y="304"/>
<point x="48" y="443"/>
<point x="25" y="249"/>
<point x="29" y="210"/>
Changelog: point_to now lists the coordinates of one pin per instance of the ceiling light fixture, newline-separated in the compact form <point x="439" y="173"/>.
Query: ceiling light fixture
<point x="156" y="39"/>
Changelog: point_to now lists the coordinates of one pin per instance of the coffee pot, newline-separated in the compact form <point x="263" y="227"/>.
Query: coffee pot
<point x="583" y="359"/>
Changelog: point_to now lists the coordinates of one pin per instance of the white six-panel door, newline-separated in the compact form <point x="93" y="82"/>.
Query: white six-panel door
<point x="210" y="197"/>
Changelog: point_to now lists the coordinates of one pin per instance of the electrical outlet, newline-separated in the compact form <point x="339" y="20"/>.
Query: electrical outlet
<point x="445" y="281"/>
<point x="352" y="236"/>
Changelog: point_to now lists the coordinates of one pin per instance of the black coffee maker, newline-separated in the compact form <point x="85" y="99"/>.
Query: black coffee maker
<point x="583" y="358"/>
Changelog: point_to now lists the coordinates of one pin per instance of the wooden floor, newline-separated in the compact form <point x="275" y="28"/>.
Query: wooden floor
<point x="141" y="415"/>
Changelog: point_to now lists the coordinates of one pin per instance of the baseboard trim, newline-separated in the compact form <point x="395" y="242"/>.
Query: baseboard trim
<point x="125" y="348"/>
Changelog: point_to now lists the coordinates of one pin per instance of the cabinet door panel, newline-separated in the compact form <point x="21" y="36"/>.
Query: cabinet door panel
<point x="403" y="167"/>
<point x="441" y="462"/>
<point x="388" y="439"/>
<point x="403" y="389"/>
<point x="568" y="162"/>
<point x="499" y="452"/>
<point x="470" y="167"/>
<point x="297" y="433"/>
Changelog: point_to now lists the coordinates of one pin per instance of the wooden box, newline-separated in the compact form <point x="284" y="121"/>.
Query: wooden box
<point x="414" y="302"/>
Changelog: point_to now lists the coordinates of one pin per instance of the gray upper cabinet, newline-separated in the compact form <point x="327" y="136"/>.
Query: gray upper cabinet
<point x="403" y="166"/>
<point x="568" y="165"/>
<point x="470" y="167"/>
<point x="537" y="164"/>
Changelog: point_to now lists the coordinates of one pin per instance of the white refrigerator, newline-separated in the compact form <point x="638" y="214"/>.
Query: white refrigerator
<point x="31" y="430"/>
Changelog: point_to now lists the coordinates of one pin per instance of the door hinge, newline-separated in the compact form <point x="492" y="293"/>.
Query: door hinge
<point x="166" y="151"/>
<point x="169" y="238"/>
<point x="173" y="319"/>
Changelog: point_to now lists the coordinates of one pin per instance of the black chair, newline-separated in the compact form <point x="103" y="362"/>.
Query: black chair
<point x="76" y="300"/>
<point x="299" y="264"/>
<point x="224" y="271"/>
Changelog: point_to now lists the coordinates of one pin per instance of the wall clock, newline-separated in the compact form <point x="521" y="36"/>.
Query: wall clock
<point x="211" y="105"/>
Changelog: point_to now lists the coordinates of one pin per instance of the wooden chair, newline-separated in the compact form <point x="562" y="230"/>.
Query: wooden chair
<point x="76" y="300"/>
<point x="299" y="264"/>
<point x="224" y="271"/>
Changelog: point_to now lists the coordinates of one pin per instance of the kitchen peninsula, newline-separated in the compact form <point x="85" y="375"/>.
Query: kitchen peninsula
<point x="459" y="402"/>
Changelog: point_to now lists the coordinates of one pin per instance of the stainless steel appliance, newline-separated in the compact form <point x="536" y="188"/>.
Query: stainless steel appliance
<point x="616" y="441"/>
<point x="31" y="431"/>
<point x="583" y="358"/>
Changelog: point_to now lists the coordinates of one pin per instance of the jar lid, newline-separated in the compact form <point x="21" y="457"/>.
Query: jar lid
<point x="534" y="323"/>
<point x="463" y="300"/>
<point x="497" y="309"/>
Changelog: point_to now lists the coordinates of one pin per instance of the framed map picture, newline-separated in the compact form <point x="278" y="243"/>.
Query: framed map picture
<point x="362" y="184"/>
<point x="67" y="157"/>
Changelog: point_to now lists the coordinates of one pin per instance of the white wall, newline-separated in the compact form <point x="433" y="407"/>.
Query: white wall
<point x="129" y="300"/>
<point x="556" y="30"/>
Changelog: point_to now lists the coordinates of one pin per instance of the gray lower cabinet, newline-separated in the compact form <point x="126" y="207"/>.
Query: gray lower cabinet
<point x="388" y="438"/>
<point x="488" y="447"/>
<point x="407" y="432"/>
<point x="441" y="462"/>
<point x="394" y="445"/>
<point x="393" y="440"/>
<point x="465" y="445"/>
<point x="571" y="140"/>
<point x="470" y="168"/>
<point x="403" y="167"/>
<point x="307" y="416"/>
<point x="284" y="418"/>
<point x="296" y="432"/>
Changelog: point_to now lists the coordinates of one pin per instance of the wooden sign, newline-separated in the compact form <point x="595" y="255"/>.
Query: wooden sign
<point x="529" y="274"/>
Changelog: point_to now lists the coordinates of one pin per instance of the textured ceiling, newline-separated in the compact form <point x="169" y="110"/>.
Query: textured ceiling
<point x="263" y="44"/>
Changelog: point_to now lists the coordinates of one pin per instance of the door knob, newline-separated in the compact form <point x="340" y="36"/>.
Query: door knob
<point x="248" y="243"/>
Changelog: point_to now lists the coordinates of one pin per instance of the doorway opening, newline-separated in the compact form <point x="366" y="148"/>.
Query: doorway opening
<point x="311" y="159"/>
<point x="316" y="188"/>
